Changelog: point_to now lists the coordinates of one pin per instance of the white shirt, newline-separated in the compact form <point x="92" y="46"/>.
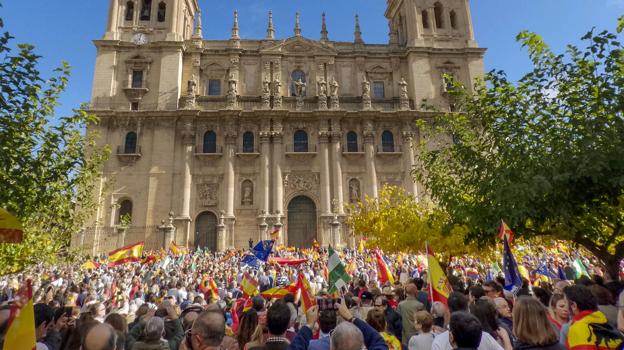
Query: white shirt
<point x="441" y="342"/>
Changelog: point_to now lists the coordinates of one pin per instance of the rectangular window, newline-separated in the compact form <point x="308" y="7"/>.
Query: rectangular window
<point x="137" y="79"/>
<point x="214" y="87"/>
<point x="378" y="89"/>
<point x="134" y="106"/>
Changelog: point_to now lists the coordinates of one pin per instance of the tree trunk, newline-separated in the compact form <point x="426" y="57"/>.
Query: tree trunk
<point x="610" y="262"/>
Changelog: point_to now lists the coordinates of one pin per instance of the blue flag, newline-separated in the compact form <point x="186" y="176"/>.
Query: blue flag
<point x="561" y="274"/>
<point x="262" y="250"/>
<point x="251" y="261"/>
<point x="489" y="276"/>
<point x="513" y="281"/>
<point x="544" y="270"/>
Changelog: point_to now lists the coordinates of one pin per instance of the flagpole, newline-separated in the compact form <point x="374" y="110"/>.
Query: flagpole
<point x="429" y="275"/>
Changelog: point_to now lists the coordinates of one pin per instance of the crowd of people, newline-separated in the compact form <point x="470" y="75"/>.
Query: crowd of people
<point x="195" y="300"/>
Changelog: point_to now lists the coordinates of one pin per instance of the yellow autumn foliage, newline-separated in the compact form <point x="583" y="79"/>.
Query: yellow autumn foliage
<point x="397" y="222"/>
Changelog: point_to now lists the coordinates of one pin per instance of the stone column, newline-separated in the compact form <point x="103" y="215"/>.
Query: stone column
<point x="188" y="139"/>
<point x="337" y="173"/>
<point x="408" y="155"/>
<point x="174" y="21"/>
<point x="229" y="177"/>
<point x="325" y="181"/>
<point x="336" y="237"/>
<point x="263" y="186"/>
<point x="221" y="233"/>
<point x="369" y="154"/>
<point x="278" y="156"/>
<point x="263" y="226"/>
<point x="167" y="230"/>
<point x="113" y="20"/>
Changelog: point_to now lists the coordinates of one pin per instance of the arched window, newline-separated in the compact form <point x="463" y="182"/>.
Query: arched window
<point x="130" y="144"/>
<point x="387" y="141"/>
<point x="438" y="12"/>
<point x="146" y="10"/>
<point x="162" y="11"/>
<point x="425" y="18"/>
<point x="453" y="17"/>
<point x="300" y="141"/>
<point x="210" y="142"/>
<point x="352" y="142"/>
<point x="296" y="76"/>
<point x="129" y="11"/>
<point x="124" y="212"/>
<point x="248" y="142"/>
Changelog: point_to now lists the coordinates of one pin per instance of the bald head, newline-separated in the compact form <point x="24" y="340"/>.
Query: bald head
<point x="210" y="328"/>
<point x="347" y="336"/>
<point x="100" y="337"/>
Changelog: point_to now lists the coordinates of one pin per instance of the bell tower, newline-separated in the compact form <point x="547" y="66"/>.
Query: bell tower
<point x="157" y="20"/>
<point x="430" y="23"/>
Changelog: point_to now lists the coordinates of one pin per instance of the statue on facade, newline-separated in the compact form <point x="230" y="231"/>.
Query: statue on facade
<point x="333" y="95"/>
<point x="189" y="101"/>
<point x="354" y="191"/>
<point x="403" y="97"/>
<point x="366" y="97"/>
<point x="266" y="94"/>
<point x="247" y="193"/>
<point x="299" y="92"/>
<point x="232" y="93"/>
<point x="277" y="94"/>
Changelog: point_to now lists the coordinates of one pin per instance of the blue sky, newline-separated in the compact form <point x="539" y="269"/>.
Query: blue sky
<point x="63" y="29"/>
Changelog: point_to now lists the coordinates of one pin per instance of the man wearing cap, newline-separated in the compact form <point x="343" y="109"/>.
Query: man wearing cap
<point x="366" y="304"/>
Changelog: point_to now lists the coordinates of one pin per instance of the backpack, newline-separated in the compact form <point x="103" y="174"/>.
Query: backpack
<point x="606" y="333"/>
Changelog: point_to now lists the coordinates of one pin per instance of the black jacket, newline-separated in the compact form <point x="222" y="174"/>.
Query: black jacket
<point x="395" y="324"/>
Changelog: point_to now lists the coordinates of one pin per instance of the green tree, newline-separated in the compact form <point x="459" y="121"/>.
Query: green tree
<point x="397" y="222"/>
<point x="47" y="166"/>
<point x="546" y="154"/>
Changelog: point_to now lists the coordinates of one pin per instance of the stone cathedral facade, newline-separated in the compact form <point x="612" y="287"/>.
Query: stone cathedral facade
<point x="216" y="142"/>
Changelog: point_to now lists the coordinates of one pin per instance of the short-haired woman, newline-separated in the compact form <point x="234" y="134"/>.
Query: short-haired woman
<point x="423" y="323"/>
<point x="532" y="328"/>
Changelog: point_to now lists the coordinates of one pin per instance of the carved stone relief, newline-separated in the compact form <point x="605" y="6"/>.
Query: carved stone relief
<point x="207" y="194"/>
<point x="302" y="182"/>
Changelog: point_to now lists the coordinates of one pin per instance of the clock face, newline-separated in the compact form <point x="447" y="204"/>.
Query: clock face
<point x="139" y="39"/>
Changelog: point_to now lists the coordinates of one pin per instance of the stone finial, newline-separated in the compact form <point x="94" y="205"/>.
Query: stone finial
<point x="198" y="27"/>
<point x="297" y="25"/>
<point x="270" y="30"/>
<point x="324" y="33"/>
<point x="235" y="29"/>
<point x="358" y="31"/>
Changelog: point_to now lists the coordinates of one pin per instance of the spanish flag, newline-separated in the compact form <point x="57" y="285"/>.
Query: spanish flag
<point x="307" y="298"/>
<point x="129" y="253"/>
<point x="439" y="287"/>
<point x="505" y="231"/>
<point x="20" y="334"/>
<point x="176" y="249"/>
<point x="385" y="275"/>
<point x="276" y="233"/>
<point x="10" y="228"/>
<point x="249" y="285"/>
<point x="90" y="265"/>
<point x="279" y="292"/>
<point x="214" y="289"/>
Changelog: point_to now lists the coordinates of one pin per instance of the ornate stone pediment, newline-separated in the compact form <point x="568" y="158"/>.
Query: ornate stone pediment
<point x="300" y="46"/>
<point x="302" y="182"/>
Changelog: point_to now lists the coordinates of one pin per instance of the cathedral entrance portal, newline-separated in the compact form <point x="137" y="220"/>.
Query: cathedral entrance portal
<point x="206" y="231"/>
<point x="301" y="222"/>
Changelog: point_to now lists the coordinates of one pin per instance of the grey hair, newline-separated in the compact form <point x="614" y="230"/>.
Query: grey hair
<point x="154" y="328"/>
<point x="346" y="336"/>
<point x="500" y="300"/>
<point x="438" y="309"/>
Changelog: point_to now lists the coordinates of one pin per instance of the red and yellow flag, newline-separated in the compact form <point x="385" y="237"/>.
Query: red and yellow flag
<point x="20" y="334"/>
<point x="90" y="265"/>
<point x="307" y="299"/>
<point x="439" y="286"/>
<point x="176" y="249"/>
<point x="10" y="228"/>
<point x="276" y="233"/>
<point x="214" y="288"/>
<point x="505" y="231"/>
<point x="279" y="292"/>
<point x="129" y="253"/>
<point x="385" y="274"/>
<point x="249" y="285"/>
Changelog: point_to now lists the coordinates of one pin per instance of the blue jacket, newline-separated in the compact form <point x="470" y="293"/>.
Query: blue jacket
<point x="372" y="339"/>
<point x="319" y="344"/>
